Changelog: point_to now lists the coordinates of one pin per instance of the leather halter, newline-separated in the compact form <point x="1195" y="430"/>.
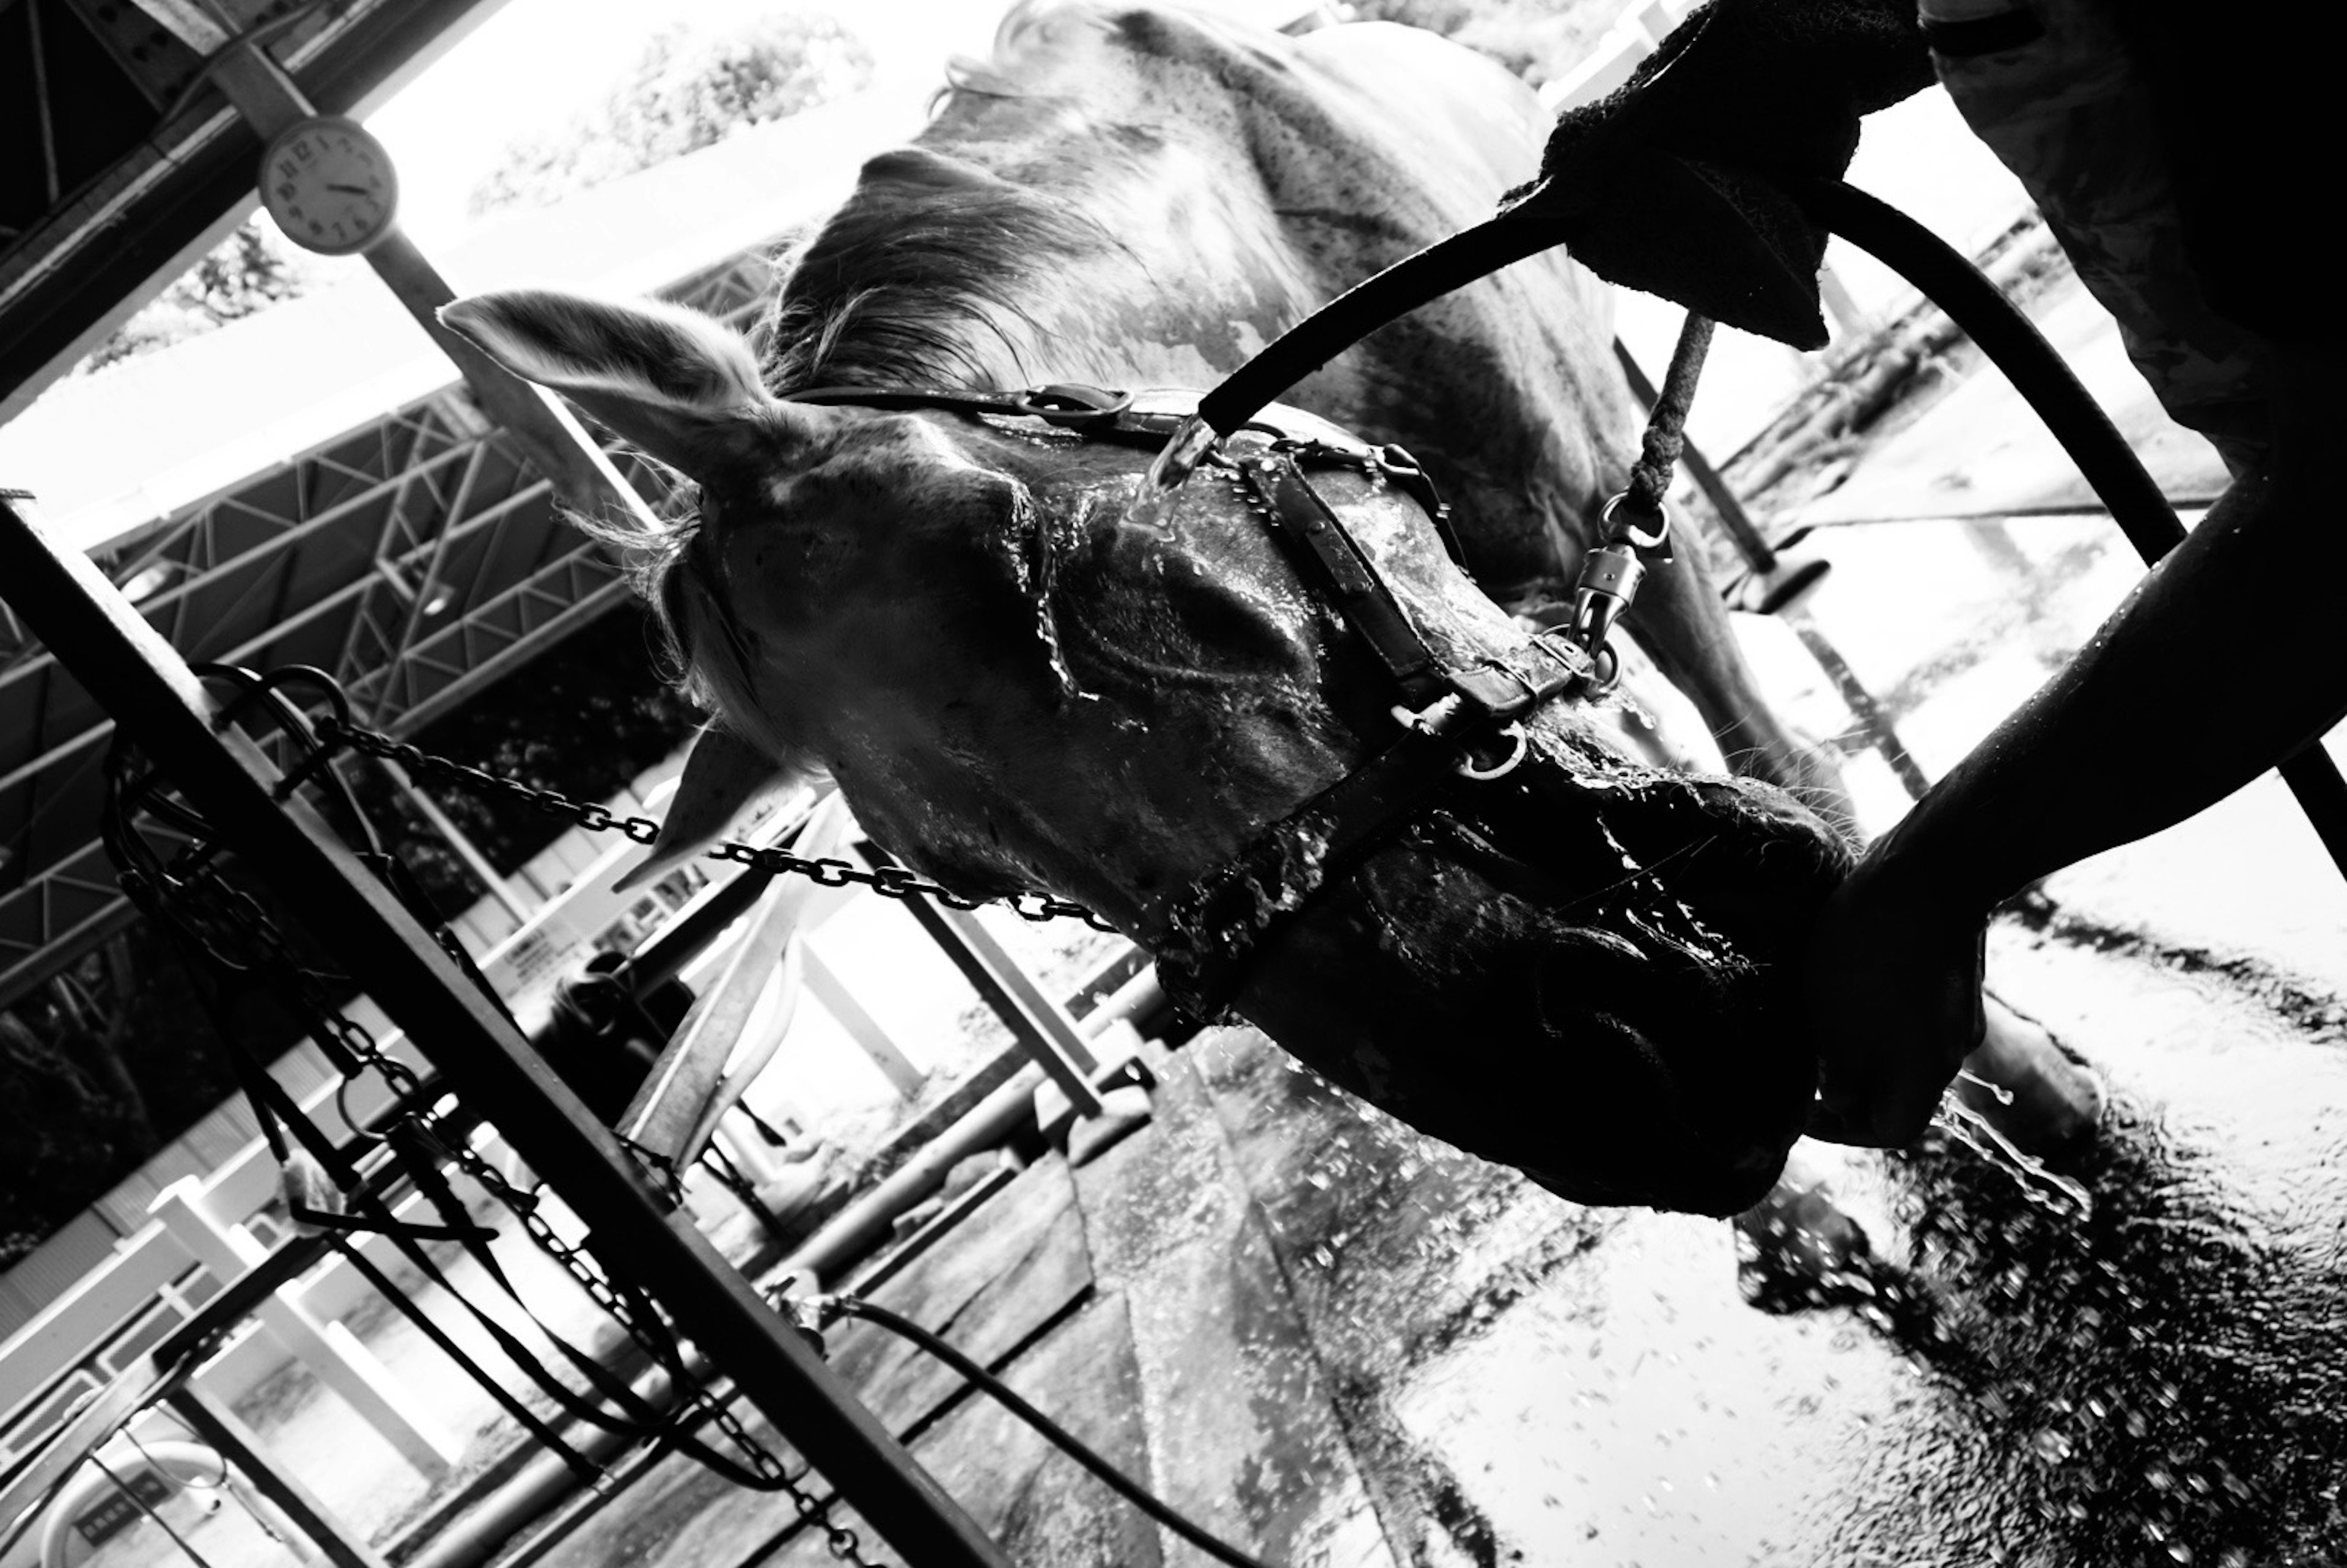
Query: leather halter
<point x="1204" y="935"/>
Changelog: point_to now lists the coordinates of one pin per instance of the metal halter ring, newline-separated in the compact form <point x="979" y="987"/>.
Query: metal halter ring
<point x="1466" y="769"/>
<point x="1605" y="670"/>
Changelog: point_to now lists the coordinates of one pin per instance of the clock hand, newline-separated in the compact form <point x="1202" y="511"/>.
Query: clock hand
<point x="352" y="189"/>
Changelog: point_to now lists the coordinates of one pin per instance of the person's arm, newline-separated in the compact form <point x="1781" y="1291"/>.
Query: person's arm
<point x="2230" y="656"/>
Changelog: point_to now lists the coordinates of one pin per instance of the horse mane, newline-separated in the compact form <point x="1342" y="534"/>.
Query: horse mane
<point x="913" y="283"/>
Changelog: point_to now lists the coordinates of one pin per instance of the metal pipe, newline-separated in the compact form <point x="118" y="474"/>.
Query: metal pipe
<point x="211" y="1419"/>
<point x="855" y="1229"/>
<point x="42" y="108"/>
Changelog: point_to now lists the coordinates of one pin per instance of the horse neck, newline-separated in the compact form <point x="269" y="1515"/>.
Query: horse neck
<point x="1120" y="264"/>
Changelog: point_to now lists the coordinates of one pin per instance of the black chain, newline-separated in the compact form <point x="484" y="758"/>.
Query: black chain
<point x="888" y="881"/>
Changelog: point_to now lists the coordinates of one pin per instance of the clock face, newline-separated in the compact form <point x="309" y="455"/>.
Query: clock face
<point x="330" y="185"/>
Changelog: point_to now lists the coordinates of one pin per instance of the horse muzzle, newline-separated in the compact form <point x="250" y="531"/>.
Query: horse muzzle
<point x="1591" y="977"/>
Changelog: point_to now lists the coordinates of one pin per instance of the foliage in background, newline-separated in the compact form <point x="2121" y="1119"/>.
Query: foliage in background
<point x="98" y="1069"/>
<point x="584" y="719"/>
<point x="690" y="90"/>
<point x="252" y="269"/>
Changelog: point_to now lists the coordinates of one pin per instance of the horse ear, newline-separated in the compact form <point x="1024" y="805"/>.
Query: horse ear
<point x="723" y="777"/>
<point x="678" y="384"/>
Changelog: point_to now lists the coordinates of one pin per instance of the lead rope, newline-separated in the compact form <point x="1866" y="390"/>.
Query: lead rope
<point x="1666" y="438"/>
<point x="1637" y="523"/>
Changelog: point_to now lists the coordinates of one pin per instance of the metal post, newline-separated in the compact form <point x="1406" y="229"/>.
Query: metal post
<point x="1871" y="720"/>
<point x="212" y="1421"/>
<point x="350" y="1370"/>
<point x="156" y="700"/>
<point x="824" y="984"/>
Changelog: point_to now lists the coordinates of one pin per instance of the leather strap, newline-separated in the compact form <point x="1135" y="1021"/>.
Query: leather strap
<point x="1325" y="550"/>
<point x="1495" y="690"/>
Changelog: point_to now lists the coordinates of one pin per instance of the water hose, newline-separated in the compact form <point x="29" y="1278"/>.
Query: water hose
<point x="2039" y="372"/>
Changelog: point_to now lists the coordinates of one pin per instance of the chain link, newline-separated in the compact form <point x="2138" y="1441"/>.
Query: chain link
<point x="888" y="881"/>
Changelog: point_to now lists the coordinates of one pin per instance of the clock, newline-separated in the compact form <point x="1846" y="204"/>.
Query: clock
<point x="330" y="185"/>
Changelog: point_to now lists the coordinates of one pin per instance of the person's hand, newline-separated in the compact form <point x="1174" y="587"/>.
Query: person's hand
<point x="1893" y="993"/>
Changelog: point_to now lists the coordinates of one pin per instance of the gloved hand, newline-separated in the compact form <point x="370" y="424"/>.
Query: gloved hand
<point x="1673" y="184"/>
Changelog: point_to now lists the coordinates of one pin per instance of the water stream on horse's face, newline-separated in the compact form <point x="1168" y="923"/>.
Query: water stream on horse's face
<point x="1038" y="578"/>
<point x="1178" y="457"/>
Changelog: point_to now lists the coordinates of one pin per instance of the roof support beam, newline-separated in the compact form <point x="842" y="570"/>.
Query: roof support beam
<point x="189" y="22"/>
<point x="324" y="606"/>
<point x="74" y="902"/>
<point x="41" y="109"/>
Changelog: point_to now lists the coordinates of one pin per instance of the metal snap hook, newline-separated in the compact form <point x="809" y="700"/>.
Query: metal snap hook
<point x="1654" y="542"/>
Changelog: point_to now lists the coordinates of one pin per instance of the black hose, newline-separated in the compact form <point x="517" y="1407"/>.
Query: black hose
<point x="1414" y="280"/>
<point x="2110" y="465"/>
<point x="2013" y="342"/>
<point x="1131" y="1489"/>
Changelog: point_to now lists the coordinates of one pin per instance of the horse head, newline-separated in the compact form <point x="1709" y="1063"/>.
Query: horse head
<point x="1022" y="677"/>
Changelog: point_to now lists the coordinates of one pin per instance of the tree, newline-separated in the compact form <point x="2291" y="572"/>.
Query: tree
<point x="688" y="91"/>
<point x="97" y="1068"/>
<point x="247" y="273"/>
<point x="582" y="718"/>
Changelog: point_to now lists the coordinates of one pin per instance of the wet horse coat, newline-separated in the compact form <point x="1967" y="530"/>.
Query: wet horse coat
<point x="1018" y="685"/>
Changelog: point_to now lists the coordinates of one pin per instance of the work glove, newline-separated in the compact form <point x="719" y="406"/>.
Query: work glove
<point x="1677" y="183"/>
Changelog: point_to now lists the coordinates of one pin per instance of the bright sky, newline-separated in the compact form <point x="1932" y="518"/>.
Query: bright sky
<point x="534" y="65"/>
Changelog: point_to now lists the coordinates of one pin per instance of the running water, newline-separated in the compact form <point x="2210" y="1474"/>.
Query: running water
<point x="1040" y="581"/>
<point x="1172" y="465"/>
<point x="2055" y="1193"/>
